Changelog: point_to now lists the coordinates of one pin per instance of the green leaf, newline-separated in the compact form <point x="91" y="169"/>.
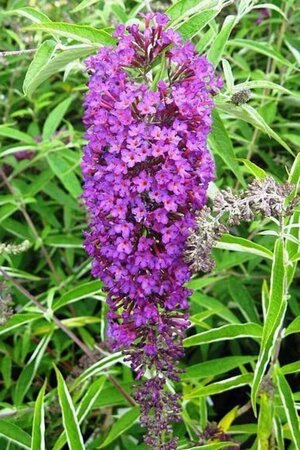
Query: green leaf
<point x="98" y="368"/>
<point x="294" y="176"/>
<point x="243" y="299"/>
<point x="17" y="135"/>
<point x="14" y="434"/>
<point x="121" y="425"/>
<point x="264" y="426"/>
<point x="64" y="171"/>
<point x="221" y="144"/>
<point x="79" y="292"/>
<point x="54" y="63"/>
<point x="291" y="368"/>
<point x="55" y="117"/>
<point x="28" y="372"/>
<point x="216" y="446"/>
<point x="41" y="58"/>
<point x="262" y="84"/>
<point x="81" y="33"/>
<point x="84" y="4"/>
<point x="70" y="422"/>
<point x="216" y="50"/>
<point x="85" y="406"/>
<point x="6" y="369"/>
<point x="287" y="400"/>
<point x="294" y="327"/>
<point x="258" y="172"/>
<point x="238" y="244"/>
<point x="19" y="319"/>
<point x="250" y="115"/>
<point x="183" y="8"/>
<point x="221" y="386"/>
<point x="260" y="47"/>
<point x="195" y="24"/>
<point x="270" y="6"/>
<point x="61" y="241"/>
<point x="226" y="332"/>
<point x="215" y="306"/>
<point x="38" y="425"/>
<point x="215" y="367"/>
<point x="33" y="14"/>
<point x="274" y="318"/>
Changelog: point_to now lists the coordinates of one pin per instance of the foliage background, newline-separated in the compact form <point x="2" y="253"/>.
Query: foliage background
<point x="237" y="335"/>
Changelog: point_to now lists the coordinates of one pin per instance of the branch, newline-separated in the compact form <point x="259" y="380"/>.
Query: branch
<point x="18" y="52"/>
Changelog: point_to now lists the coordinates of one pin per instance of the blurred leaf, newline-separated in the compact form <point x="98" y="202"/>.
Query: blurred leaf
<point x="28" y="372"/>
<point x="61" y="241"/>
<point x="15" y="134"/>
<point x="260" y="47"/>
<point x="84" y="4"/>
<point x="221" y="145"/>
<point x="33" y="14"/>
<point x="14" y="434"/>
<point x="183" y="8"/>
<point x="258" y="172"/>
<point x="55" y="117"/>
<point x="264" y="426"/>
<point x="77" y="293"/>
<point x="121" y="425"/>
<point x="17" y="320"/>
<point x="216" y="50"/>
<point x="195" y="24"/>
<point x="226" y="421"/>
<point x="294" y="327"/>
<point x="63" y="170"/>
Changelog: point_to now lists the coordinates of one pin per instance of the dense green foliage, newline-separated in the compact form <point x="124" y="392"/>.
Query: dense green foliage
<point x="60" y="386"/>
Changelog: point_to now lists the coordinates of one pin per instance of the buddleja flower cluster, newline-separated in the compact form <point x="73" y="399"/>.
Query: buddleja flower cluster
<point x="146" y="169"/>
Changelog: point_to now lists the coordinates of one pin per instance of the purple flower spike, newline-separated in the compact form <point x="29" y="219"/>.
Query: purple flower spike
<point x="146" y="169"/>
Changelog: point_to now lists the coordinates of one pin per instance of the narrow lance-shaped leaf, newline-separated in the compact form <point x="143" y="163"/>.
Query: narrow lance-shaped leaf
<point x="55" y="117"/>
<point x="14" y="434"/>
<point x="85" y="406"/>
<point x="221" y="144"/>
<point x="274" y="318"/>
<point x="70" y="422"/>
<point x="41" y="58"/>
<point x="288" y="403"/>
<point x="81" y="33"/>
<point x="238" y="244"/>
<point x="195" y="24"/>
<point x="216" y="50"/>
<point x="225" y="332"/>
<point x="221" y="386"/>
<point x="38" y="425"/>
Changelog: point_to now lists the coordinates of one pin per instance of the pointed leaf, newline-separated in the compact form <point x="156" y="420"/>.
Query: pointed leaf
<point x="70" y="422"/>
